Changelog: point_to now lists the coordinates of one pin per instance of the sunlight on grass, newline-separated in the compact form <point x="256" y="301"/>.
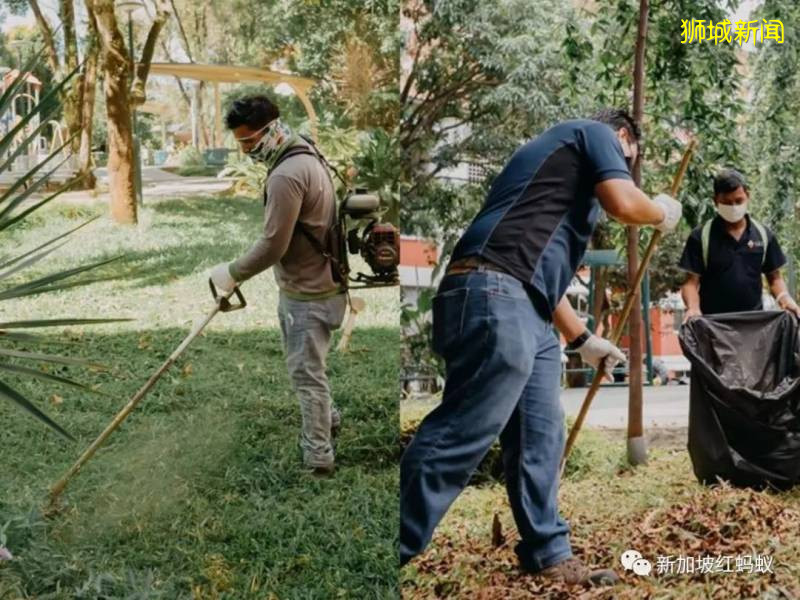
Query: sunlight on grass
<point x="163" y="280"/>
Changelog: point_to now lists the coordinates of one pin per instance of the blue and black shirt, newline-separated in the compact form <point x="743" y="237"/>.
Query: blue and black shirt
<point x="540" y="212"/>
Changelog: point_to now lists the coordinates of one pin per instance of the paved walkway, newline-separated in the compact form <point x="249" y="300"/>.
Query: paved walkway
<point x="156" y="183"/>
<point x="665" y="407"/>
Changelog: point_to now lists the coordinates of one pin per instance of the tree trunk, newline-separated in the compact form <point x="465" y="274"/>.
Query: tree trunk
<point x="201" y="122"/>
<point x="636" y="452"/>
<point x="165" y="51"/>
<point x="599" y="294"/>
<point x="142" y="69"/>
<point x="186" y="46"/>
<point x="69" y="95"/>
<point x="85" y="161"/>
<point x="117" y="70"/>
<point x="47" y="34"/>
<point x="120" y="145"/>
<point x="71" y="98"/>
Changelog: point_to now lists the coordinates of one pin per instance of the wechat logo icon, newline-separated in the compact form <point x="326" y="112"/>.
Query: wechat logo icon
<point x="633" y="561"/>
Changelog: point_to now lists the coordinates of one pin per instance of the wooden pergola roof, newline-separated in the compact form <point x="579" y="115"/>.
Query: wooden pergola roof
<point x="238" y="74"/>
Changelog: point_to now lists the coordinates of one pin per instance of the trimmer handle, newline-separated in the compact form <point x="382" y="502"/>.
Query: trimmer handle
<point x="224" y="303"/>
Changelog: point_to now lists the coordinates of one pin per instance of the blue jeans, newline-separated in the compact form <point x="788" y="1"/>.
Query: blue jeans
<point x="503" y="364"/>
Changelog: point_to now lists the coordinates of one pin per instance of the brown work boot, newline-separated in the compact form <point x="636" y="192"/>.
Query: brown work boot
<point x="573" y="571"/>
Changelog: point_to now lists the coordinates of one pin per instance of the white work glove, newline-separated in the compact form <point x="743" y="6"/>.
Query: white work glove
<point x="596" y="351"/>
<point x="221" y="278"/>
<point x="672" y="212"/>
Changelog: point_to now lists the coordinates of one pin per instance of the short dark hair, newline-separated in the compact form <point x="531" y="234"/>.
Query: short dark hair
<point x="729" y="180"/>
<point x="253" y="111"/>
<point x="617" y="119"/>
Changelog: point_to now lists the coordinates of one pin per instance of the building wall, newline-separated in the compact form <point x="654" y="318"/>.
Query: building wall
<point x="663" y="333"/>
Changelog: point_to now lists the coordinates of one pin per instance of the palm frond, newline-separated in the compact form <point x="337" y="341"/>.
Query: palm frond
<point x="20" y="337"/>
<point x="53" y="358"/>
<point x="33" y="187"/>
<point x="29" y="262"/>
<point x="56" y="323"/>
<point x="9" y="94"/>
<point x="9" y="262"/>
<point x="23" y="145"/>
<point x="4" y="224"/>
<point x="52" y="95"/>
<point x="33" y="287"/>
<point x="12" y="145"/>
<point x="10" y="393"/>
<point x="49" y="377"/>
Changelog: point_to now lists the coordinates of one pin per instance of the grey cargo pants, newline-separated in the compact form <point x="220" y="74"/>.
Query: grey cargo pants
<point x="306" y="327"/>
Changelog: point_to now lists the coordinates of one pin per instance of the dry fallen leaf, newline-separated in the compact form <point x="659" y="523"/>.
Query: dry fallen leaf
<point x="56" y="399"/>
<point x="187" y="370"/>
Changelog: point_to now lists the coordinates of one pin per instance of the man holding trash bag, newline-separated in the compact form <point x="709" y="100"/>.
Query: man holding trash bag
<point x="299" y="209"/>
<point x="726" y="256"/>
<point x="493" y="321"/>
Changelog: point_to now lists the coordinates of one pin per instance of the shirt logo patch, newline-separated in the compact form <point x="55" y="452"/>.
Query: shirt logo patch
<point x="751" y="244"/>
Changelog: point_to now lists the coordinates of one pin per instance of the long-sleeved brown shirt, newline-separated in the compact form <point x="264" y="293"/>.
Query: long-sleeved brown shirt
<point x="298" y="189"/>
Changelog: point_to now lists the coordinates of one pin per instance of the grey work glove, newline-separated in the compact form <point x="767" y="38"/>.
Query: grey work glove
<point x="672" y="212"/>
<point x="597" y="351"/>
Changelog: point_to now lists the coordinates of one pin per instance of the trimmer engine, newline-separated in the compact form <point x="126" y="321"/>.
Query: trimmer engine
<point x="378" y="243"/>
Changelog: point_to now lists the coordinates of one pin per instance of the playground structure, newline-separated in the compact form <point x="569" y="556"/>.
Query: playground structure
<point x="50" y="139"/>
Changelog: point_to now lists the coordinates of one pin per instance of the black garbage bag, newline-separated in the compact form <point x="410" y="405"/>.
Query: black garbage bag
<point x="744" y="409"/>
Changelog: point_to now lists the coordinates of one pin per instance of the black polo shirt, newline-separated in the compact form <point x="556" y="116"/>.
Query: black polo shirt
<point x="732" y="280"/>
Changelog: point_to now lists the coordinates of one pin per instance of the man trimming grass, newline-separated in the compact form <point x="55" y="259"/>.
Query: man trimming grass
<point x="299" y="210"/>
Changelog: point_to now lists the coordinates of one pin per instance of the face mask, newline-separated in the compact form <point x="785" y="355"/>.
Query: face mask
<point x="276" y="138"/>
<point x="732" y="213"/>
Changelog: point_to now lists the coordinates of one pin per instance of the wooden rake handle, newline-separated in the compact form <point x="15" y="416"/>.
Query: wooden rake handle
<point x="616" y="334"/>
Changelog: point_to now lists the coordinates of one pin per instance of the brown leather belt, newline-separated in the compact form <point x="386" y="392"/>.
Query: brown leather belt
<point x="472" y="263"/>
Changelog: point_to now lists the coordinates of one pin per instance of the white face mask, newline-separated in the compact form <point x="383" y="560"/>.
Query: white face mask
<point x="732" y="213"/>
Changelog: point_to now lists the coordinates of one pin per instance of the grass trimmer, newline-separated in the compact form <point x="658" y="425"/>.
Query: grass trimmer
<point x="626" y="310"/>
<point x="222" y="304"/>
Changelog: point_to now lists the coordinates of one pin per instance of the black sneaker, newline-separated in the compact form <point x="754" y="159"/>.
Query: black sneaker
<point x="322" y="472"/>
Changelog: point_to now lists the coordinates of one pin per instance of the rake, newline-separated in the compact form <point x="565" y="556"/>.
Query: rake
<point x="616" y="334"/>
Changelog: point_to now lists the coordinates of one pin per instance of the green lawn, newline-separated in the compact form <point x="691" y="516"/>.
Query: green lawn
<point x="658" y="509"/>
<point x="201" y="492"/>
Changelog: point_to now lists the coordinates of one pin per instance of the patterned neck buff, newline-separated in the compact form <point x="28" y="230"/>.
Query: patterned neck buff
<point x="277" y="137"/>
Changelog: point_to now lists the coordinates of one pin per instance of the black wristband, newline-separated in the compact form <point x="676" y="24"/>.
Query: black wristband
<point x="579" y="341"/>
